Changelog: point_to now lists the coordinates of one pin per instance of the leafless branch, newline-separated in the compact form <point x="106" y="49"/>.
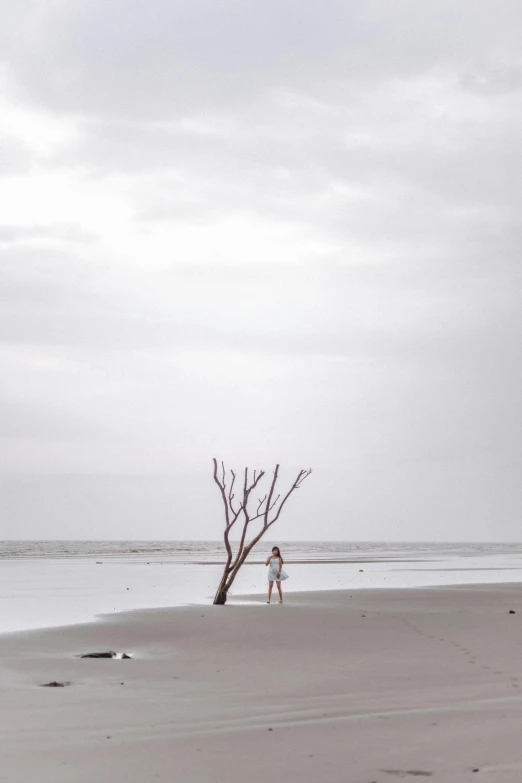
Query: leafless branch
<point x="261" y="501"/>
<point x="222" y="490"/>
<point x="274" y="503"/>
<point x="231" y="493"/>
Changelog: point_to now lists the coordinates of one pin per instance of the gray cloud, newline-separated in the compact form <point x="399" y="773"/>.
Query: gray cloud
<point x="123" y="58"/>
<point x="271" y="231"/>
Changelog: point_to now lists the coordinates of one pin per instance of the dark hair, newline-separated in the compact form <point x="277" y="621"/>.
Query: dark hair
<point x="278" y="553"/>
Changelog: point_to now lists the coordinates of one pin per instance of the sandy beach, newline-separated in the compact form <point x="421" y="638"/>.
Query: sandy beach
<point x="340" y="687"/>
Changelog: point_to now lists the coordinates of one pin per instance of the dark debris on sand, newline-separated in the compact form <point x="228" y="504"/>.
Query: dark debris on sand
<point x="54" y="684"/>
<point x="108" y="654"/>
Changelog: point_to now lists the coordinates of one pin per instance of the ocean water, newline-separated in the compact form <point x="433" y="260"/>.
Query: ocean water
<point x="52" y="583"/>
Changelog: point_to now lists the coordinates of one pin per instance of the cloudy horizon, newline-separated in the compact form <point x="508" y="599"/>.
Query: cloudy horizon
<point x="267" y="232"/>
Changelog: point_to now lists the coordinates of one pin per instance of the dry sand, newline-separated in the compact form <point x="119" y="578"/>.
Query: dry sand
<point x="377" y="685"/>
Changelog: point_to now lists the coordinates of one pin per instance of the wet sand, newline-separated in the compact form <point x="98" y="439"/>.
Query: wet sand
<point x="339" y="687"/>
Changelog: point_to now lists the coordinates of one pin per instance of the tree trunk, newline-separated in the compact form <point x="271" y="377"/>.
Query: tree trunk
<point x="226" y="583"/>
<point x="221" y="598"/>
<point x="221" y="595"/>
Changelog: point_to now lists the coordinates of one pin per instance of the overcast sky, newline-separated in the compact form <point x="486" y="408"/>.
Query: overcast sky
<point x="266" y="230"/>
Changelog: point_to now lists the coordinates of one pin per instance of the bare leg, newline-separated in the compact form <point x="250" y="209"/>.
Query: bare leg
<point x="270" y="586"/>
<point x="280" y="590"/>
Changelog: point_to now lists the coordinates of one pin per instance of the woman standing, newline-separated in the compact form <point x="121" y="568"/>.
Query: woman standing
<point x="275" y="573"/>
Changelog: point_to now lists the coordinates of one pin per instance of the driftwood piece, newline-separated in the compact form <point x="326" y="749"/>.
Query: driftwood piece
<point x="54" y="684"/>
<point x="109" y="654"/>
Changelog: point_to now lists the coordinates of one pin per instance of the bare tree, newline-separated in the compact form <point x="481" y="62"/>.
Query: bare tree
<point x="266" y="508"/>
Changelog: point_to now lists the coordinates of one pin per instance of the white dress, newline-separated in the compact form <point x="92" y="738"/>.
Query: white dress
<point x="273" y="570"/>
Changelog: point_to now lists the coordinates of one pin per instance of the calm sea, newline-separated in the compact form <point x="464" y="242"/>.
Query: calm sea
<point x="214" y="551"/>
